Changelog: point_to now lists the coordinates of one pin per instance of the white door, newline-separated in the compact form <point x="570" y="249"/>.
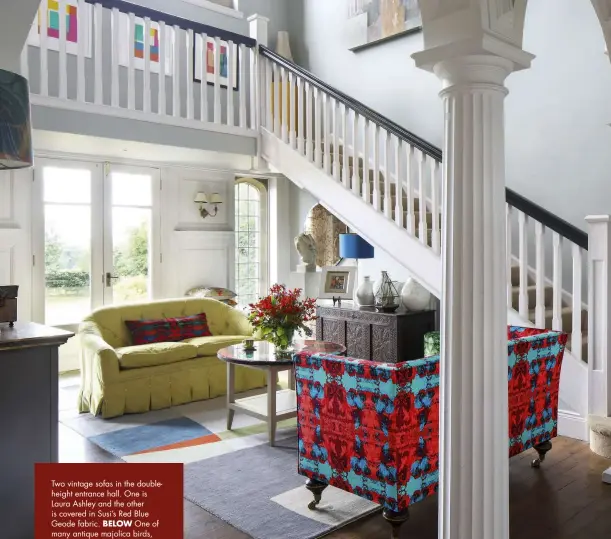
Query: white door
<point x="95" y="238"/>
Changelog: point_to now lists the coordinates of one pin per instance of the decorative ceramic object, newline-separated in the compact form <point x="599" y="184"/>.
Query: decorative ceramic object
<point x="386" y="296"/>
<point x="414" y="296"/>
<point x="306" y="247"/>
<point x="364" y="293"/>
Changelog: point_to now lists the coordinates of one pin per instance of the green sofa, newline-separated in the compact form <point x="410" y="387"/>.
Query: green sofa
<point x="118" y="378"/>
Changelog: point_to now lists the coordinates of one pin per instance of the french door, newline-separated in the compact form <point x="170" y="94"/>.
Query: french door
<point x="96" y="241"/>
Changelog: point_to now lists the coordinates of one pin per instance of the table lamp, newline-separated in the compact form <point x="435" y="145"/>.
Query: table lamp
<point x="353" y="246"/>
<point x="15" y="127"/>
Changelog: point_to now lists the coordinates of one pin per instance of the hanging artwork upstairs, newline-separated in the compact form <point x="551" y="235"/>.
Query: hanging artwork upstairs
<point x="374" y="21"/>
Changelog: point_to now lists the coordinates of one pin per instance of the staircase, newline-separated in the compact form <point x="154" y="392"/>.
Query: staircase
<point x="385" y="183"/>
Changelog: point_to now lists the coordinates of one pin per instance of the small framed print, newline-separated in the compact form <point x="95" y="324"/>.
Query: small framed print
<point x="337" y="281"/>
<point x="205" y="59"/>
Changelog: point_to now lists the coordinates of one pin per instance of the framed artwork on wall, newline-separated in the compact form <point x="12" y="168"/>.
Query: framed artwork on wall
<point x="374" y="21"/>
<point x="223" y="63"/>
<point x="136" y="48"/>
<point x="337" y="281"/>
<point x="75" y="33"/>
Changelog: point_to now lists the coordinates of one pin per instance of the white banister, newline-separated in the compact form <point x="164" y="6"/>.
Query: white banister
<point x="540" y="278"/>
<point x="99" y="52"/>
<point x="387" y="172"/>
<point x="161" y="90"/>
<point x="557" y="282"/>
<point x="326" y="133"/>
<point x="435" y="210"/>
<point x="256" y="94"/>
<point x="63" y="57"/>
<point x="356" y="181"/>
<point x="284" y="111"/>
<point x="146" y="87"/>
<point x="217" y="80"/>
<point x="577" y="308"/>
<point x="376" y="166"/>
<point x="317" y="128"/>
<point x="300" y="116"/>
<point x="131" y="68"/>
<point x="80" y="54"/>
<point x="270" y="103"/>
<point x="114" y="60"/>
<point x="398" y="182"/>
<point x="523" y="261"/>
<point x="346" y="165"/>
<point x="190" y="76"/>
<point x="336" y="163"/>
<point x="422" y="228"/>
<point x="175" y="74"/>
<point x="599" y="315"/>
<point x="292" y="116"/>
<point x="309" y="122"/>
<point x="44" y="55"/>
<point x="366" y="189"/>
<point x="203" y="85"/>
<point x="409" y="188"/>
<point x="276" y="105"/>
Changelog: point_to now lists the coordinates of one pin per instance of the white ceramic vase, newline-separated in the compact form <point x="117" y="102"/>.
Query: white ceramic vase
<point x="364" y="293"/>
<point x="414" y="296"/>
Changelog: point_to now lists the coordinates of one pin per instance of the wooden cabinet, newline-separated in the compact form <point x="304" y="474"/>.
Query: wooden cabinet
<point x="368" y="334"/>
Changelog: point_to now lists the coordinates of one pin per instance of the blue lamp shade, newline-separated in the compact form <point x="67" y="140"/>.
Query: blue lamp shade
<point x="15" y="127"/>
<point x="353" y="246"/>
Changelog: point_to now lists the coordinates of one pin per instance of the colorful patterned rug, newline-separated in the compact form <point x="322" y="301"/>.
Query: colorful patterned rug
<point x="235" y="474"/>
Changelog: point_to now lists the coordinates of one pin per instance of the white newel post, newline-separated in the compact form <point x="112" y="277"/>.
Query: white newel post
<point x="259" y="30"/>
<point x="474" y="444"/>
<point x="599" y="315"/>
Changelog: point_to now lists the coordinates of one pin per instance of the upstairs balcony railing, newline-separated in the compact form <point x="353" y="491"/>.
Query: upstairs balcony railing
<point x="117" y="58"/>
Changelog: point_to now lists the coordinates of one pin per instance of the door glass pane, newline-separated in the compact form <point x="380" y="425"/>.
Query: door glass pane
<point x="131" y="190"/>
<point x="67" y="213"/>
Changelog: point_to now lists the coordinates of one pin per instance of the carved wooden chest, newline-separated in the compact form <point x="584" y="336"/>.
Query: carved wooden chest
<point x="367" y="334"/>
<point x="8" y="304"/>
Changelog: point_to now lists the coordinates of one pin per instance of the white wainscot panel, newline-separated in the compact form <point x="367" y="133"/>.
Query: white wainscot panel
<point x="205" y="258"/>
<point x="189" y="217"/>
<point x="6" y="197"/>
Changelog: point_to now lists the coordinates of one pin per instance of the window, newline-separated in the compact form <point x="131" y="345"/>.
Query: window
<point x="250" y="228"/>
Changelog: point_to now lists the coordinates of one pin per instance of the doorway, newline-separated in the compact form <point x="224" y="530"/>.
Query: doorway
<point x="96" y="241"/>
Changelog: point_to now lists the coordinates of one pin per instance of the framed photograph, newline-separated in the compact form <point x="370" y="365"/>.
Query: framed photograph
<point x="337" y="281"/>
<point x="223" y="63"/>
<point x="374" y="21"/>
<point x="75" y="32"/>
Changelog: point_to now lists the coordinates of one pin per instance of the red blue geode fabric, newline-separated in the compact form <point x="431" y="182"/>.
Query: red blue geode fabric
<point x="373" y="428"/>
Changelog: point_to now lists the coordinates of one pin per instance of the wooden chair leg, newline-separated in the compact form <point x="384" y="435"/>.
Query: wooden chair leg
<point x="542" y="449"/>
<point x="316" y="488"/>
<point x="396" y="520"/>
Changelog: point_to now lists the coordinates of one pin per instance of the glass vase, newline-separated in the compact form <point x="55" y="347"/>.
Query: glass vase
<point x="282" y="338"/>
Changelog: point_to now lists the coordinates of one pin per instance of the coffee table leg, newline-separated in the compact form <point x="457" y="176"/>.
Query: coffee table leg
<point x="272" y="376"/>
<point x="230" y="393"/>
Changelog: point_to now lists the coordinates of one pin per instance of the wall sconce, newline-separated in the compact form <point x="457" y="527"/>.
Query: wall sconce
<point x="202" y="199"/>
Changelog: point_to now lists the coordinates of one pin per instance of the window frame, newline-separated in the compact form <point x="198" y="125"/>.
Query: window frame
<point x="261" y="187"/>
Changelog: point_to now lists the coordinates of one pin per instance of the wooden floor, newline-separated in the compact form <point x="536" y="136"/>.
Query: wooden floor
<point x="565" y="499"/>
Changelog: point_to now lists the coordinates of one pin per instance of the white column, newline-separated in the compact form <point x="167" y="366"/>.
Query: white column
<point x="474" y="444"/>
<point x="599" y="315"/>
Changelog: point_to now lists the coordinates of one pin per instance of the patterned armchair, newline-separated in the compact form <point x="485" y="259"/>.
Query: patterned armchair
<point x="373" y="428"/>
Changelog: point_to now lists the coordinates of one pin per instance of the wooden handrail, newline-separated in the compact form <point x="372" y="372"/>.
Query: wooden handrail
<point x="172" y="20"/>
<point x="545" y="217"/>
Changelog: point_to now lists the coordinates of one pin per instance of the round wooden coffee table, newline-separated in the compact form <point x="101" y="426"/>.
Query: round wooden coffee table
<point x="274" y="405"/>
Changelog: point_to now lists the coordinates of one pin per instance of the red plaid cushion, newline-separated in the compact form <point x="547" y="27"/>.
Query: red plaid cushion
<point x="168" y="329"/>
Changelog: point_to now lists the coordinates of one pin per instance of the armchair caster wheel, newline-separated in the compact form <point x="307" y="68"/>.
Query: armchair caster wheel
<point x="541" y="449"/>
<point x="316" y="488"/>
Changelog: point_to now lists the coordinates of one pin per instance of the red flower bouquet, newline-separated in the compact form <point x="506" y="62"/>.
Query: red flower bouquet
<point x="280" y="314"/>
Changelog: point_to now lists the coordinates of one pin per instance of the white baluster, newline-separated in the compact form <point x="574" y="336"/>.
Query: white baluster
<point x="336" y="162"/>
<point x="114" y="61"/>
<point x="230" y="81"/>
<point x="63" y="58"/>
<point x="99" y="55"/>
<point x="326" y="134"/>
<point x="257" y="77"/>
<point x="422" y="227"/>
<point x="146" y="87"/>
<point x="161" y="90"/>
<point x="387" y="179"/>
<point x="309" y="122"/>
<point x="291" y="105"/>
<point x="366" y="191"/>
<point x="44" y="60"/>
<point x="509" y="211"/>
<point x="577" y="307"/>
<point x="356" y="180"/>
<point x="176" y="74"/>
<point x="557" y="280"/>
<point x="398" y="182"/>
<point x="277" y="100"/>
<point x="242" y="88"/>
<point x="203" y="85"/>
<point x="24" y="64"/>
<point x="540" y="280"/>
<point x="376" y="166"/>
<point x="409" y="188"/>
<point x="300" y="116"/>
<point x="285" y="106"/>
<point x="131" y="69"/>
<point x="435" y="181"/>
<point x="80" y="53"/>
<point x="217" y="81"/>
<point x="269" y="86"/>
<point x="189" y="75"/>
<point x="345" y="156"/>
<point x="317" y="128"/>
<point x="523" y="247"/>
